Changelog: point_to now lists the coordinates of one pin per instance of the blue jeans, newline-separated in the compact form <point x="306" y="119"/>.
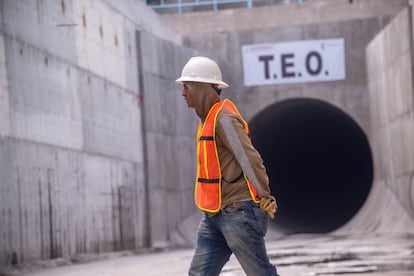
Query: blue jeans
<point x="240" y="232"/>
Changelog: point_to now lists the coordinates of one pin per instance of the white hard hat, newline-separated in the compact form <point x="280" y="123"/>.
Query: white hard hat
<point x="202" y="69"/>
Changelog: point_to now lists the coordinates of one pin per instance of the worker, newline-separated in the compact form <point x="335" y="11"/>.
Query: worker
<point x="232" y="187"/>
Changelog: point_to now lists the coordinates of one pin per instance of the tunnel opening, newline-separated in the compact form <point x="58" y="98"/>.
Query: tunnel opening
<point x="319" y="164"/>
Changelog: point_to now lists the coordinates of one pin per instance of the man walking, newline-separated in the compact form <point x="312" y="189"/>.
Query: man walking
<point x="232" y="187"/>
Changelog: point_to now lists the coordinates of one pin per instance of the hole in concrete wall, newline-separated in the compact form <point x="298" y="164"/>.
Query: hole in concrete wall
<point x="116" y="39"/>
<point x="84" y="18"/>
<point x="101" y="31"/>
<point x="129" y="43"/>
<point x="319" y="164"/>
<point x="62" y="5"/>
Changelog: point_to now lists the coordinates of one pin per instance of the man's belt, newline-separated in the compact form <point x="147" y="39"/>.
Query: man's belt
<point x="234" y="207"/>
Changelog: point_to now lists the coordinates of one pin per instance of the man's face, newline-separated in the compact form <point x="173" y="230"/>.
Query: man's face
<point x="188" y="96"/>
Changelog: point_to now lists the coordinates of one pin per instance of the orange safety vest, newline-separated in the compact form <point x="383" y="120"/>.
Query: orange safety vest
<point x="207" y="193"/>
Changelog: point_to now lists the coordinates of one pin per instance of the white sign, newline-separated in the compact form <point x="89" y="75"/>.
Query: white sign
<point x="294" y="62"/>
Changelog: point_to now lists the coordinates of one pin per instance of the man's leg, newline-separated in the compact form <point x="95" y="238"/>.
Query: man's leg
<point x="211" y="251"/>
<point x="244" y="232"/>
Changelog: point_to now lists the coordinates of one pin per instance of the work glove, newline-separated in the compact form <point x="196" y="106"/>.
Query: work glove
<point x="268" y="204"/>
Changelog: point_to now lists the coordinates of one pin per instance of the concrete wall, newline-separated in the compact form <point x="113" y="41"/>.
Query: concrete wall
<point x="290" y="14"/>
<point x="58" y="202"/>
<point x="169" y="127"/>
<point x="72" y="166"/>
<point x="390" y="206"/>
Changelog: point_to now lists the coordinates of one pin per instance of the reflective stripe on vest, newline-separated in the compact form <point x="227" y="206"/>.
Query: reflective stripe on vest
<point x="208" y="182"/>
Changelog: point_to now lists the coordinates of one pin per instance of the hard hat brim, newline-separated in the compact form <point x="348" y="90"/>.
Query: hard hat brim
<point x="221" y="84"/>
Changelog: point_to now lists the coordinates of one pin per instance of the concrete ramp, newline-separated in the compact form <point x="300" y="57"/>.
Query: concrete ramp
<point x="382" y="214"/>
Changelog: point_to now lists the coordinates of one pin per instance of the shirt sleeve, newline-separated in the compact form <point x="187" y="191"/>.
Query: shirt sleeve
<point x="232" y="132"/>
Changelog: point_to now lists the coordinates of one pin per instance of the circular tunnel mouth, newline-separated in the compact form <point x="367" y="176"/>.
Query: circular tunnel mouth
<point x="319" y="164"/>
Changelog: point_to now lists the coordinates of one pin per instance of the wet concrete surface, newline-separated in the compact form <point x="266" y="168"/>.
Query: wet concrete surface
<point x="297" y="255"/>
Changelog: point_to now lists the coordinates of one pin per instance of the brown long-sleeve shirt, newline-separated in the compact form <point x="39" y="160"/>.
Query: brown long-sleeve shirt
<point x="236" y="153"/>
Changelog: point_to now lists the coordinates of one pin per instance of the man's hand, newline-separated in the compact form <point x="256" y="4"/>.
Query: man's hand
<point x="268" y="204"/>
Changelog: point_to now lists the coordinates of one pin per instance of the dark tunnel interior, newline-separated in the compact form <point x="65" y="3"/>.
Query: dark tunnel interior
<point x="319" y="164"/>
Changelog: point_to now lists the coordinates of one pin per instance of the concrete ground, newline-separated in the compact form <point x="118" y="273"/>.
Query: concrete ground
<point x="298" y="255"/>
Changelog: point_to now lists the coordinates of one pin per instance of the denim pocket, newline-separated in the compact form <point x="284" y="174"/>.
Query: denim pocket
<point x="261" y="220"/>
